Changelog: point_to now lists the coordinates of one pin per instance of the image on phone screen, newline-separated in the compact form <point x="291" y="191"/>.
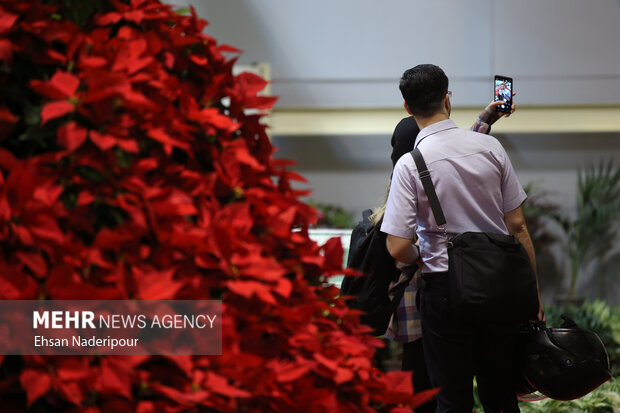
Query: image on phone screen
<point x="503" y="91"/>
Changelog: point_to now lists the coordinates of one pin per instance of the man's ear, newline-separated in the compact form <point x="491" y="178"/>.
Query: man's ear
<point x="407" y="108"/>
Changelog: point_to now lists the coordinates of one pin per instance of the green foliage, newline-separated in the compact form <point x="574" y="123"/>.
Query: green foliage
<point x="605" y="399"/>
<point x="535" y="209"/>
<point x="333" y="216"/>
<point x="592" y="232"/>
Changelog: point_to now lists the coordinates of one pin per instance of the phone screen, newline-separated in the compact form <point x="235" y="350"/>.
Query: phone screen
<point x="503" y="91"/>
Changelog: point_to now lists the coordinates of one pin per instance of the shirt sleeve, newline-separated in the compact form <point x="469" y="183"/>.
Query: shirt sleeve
<point x="513" y="194"/>
<point x="400" y="209"/>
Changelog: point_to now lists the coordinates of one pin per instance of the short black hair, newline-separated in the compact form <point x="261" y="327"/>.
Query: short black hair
<point x="424" y="87"/>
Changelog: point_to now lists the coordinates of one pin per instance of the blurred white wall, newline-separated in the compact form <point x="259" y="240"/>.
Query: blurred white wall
<point x="350" y="53"/>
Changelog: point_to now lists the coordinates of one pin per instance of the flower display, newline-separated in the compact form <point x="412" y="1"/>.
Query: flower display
<point x="135" y="166"/>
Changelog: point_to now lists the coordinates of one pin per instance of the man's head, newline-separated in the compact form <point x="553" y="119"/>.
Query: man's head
<point x="424" y="89"/>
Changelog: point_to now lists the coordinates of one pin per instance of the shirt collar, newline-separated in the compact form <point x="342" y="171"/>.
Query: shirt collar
<point x="435" y="128"/>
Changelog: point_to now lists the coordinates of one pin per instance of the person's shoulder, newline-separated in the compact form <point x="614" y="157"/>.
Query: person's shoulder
<point x="486" y="142"/>
<point x="484" y="137"/>
<point x="405" y="165"/>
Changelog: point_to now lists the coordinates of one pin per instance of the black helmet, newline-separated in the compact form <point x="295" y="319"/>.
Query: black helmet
<point x="563" y="363"/>
<point x="524" y="391"/>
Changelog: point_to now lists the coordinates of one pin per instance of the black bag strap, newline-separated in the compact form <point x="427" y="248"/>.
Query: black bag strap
<point x="399" y="288"/>
<point x="429" y="188"/>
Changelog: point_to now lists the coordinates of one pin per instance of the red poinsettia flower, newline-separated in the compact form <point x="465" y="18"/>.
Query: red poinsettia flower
<point x="7" y="22"/>
<point x="150" y="175"/>
<point x="62" y="88"/>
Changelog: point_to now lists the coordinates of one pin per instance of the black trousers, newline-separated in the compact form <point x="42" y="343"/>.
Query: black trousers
<point x="456" y="350"/>
<point x="413" y="360"/>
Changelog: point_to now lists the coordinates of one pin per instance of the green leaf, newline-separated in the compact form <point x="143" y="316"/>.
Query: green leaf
<point x="90" y="174"/>
<point x="123" y="158"/>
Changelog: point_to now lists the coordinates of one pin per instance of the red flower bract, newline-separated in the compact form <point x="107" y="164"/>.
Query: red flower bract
<point x="131" y="168"/>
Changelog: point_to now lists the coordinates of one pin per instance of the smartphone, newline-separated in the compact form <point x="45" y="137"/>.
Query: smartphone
<point x="502" y="90"/>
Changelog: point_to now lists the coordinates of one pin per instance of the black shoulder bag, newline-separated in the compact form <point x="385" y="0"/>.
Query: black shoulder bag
<point x="490" y="275"/>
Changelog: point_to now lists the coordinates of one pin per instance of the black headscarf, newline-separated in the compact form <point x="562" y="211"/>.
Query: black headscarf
<point x="403" y="138"/>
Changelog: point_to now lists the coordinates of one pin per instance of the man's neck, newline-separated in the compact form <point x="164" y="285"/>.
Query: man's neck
<point x="423" y="122"/>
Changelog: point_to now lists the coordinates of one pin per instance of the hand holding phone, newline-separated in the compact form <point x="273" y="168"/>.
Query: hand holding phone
<point x="502" y="90"/>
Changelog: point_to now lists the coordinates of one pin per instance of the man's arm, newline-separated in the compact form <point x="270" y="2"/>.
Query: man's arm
<point x="489" y="116"/>
<point x="402" y="249"/>
<point x="515" y="222"/>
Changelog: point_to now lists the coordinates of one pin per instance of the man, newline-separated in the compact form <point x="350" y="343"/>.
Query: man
<point x="406" y="327"/>
<point x="479" y="191"/>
